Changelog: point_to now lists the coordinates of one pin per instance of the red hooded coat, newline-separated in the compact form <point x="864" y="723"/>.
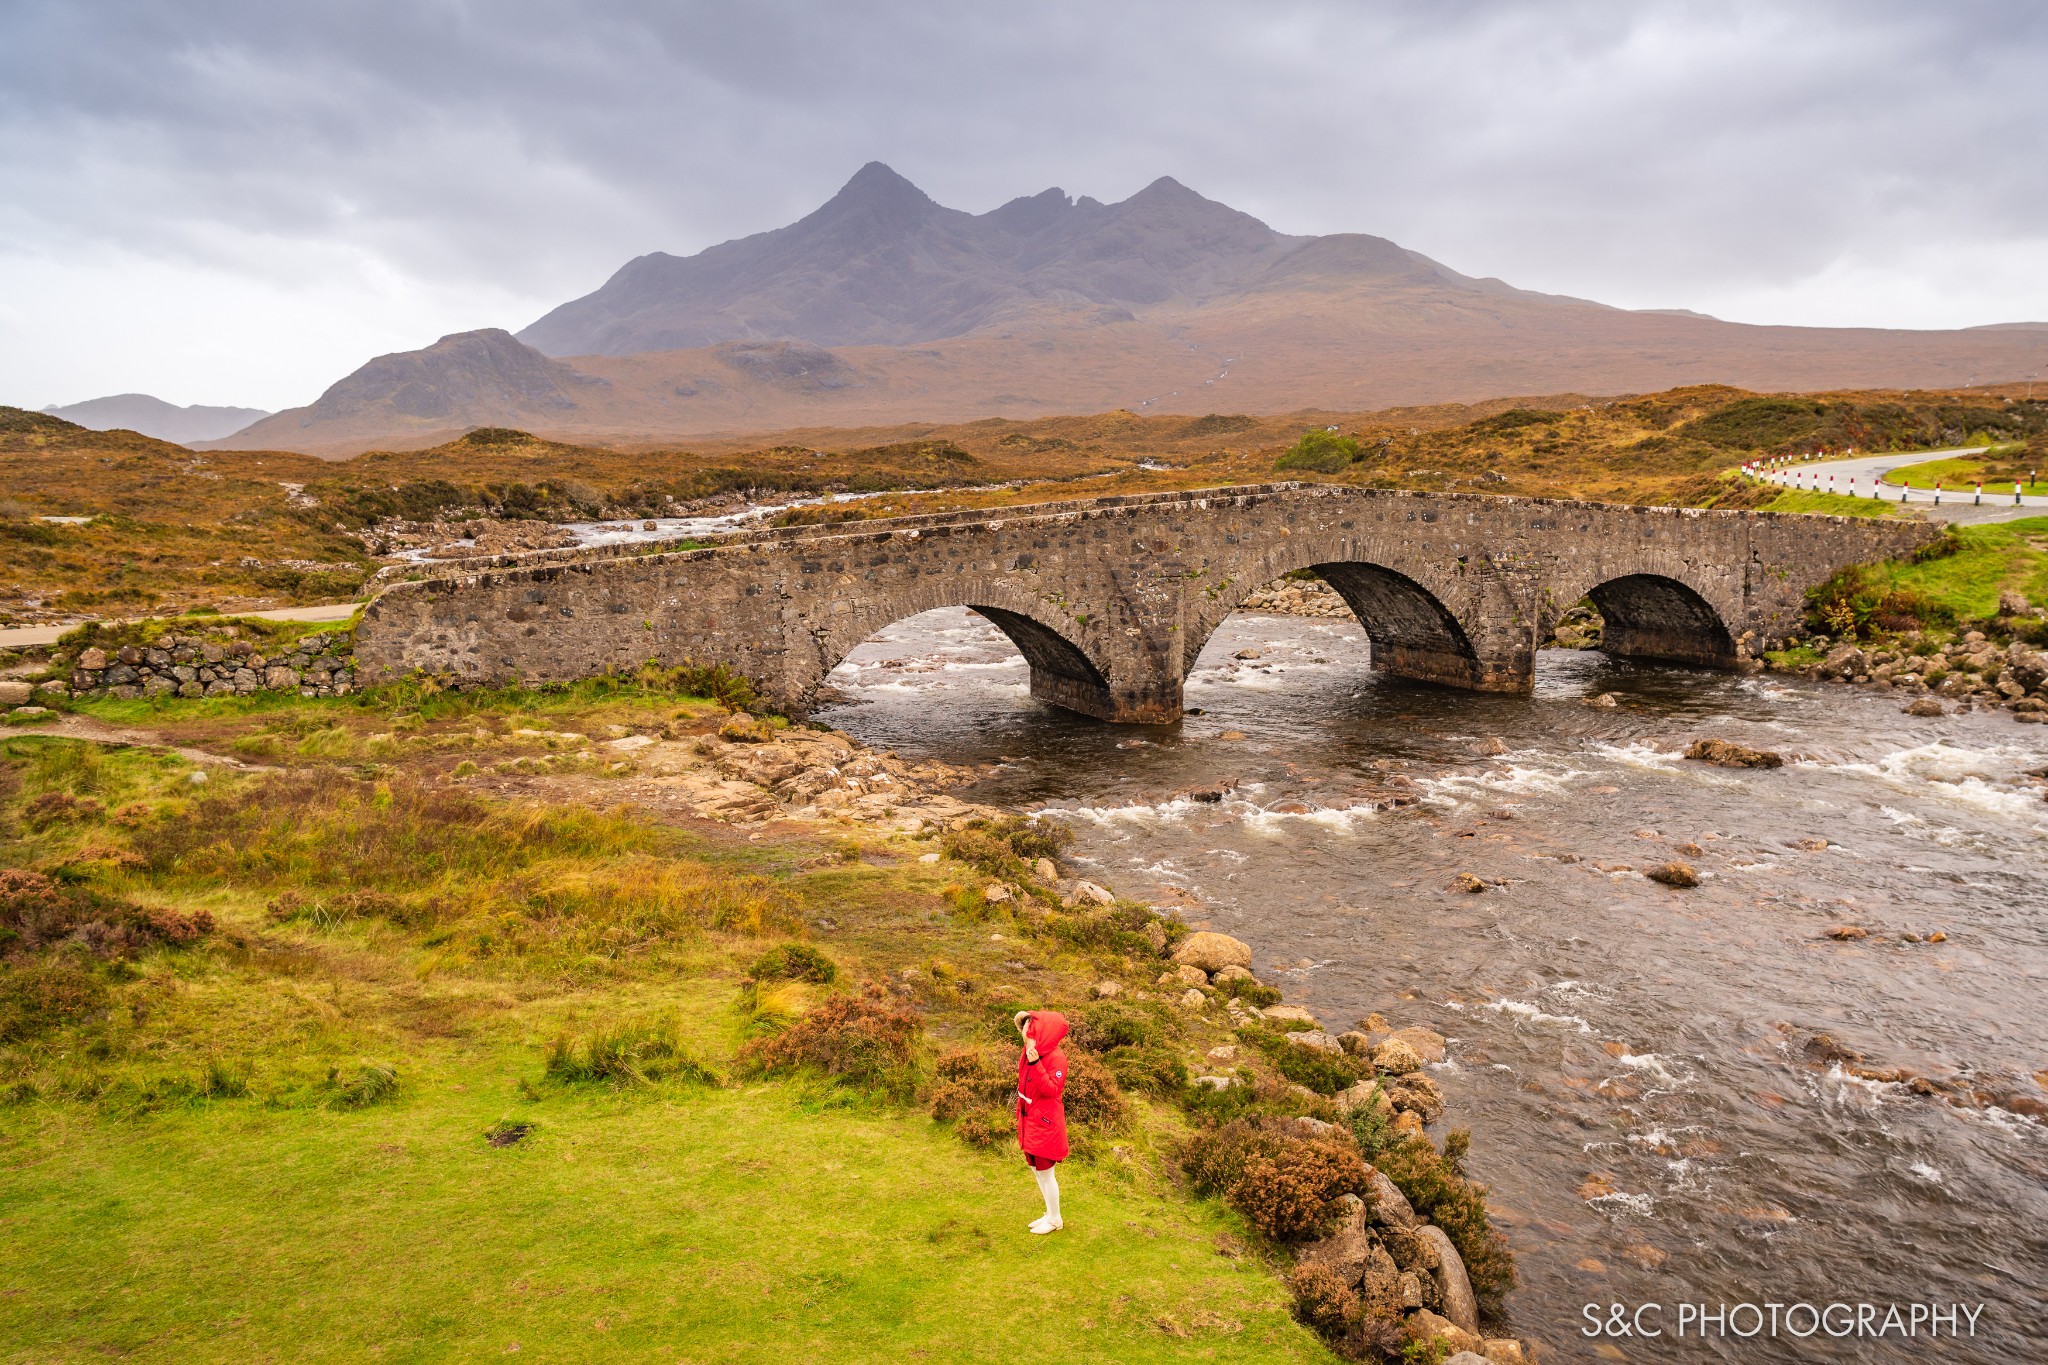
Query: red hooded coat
<point x="1041" y="1113"/>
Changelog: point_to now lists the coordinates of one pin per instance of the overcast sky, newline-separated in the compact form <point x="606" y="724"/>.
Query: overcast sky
<point x="240" y="201"/>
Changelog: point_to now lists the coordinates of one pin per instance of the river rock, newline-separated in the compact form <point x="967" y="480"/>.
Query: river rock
<point x="1089" y="891"/>
<point x="1355" y="1043"/>
<point x="1291" y="1014"/>
<point x="1193" y="999"/>
<point x="1233" y="973"/>
<point x="1185" y="976"/>
<point x="1427" y="1044"/>
<point x="1417" y="1094"/>
<point x="1505" y="1351"/>
<point x="1453" y="1285"/>
<point x="1213" y="952"/>
<point x="1925" y="706"/>
<point x="1395" y="1058"/>
<point x="1044" y="870"/>
<point x="14" y="692"/>
<point x="1466" y="881"/>
<point x="1674" y="874"/>
<point x="1726" y="754"/>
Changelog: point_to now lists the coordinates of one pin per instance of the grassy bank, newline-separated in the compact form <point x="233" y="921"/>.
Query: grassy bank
<point x="1998" y="470"/>
<point x="426" y="1024"/>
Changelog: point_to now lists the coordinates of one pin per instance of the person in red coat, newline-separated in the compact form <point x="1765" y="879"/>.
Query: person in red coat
<point x="1041" y="1112"/>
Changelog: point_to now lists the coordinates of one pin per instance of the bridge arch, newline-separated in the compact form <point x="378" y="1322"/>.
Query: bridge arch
<point x="1656" y="616"/>
<point x="1414" y="633"/>
<point x="1063" y="673"/>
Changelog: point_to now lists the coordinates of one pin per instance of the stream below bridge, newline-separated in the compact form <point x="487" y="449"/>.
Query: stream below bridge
<point x="1633" y="1060"/>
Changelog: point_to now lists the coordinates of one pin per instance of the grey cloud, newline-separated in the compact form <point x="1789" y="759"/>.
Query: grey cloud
<point x="1653" y="153"/>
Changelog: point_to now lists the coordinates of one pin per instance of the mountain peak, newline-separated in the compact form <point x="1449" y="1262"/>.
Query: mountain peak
<point x="877" y="184"/>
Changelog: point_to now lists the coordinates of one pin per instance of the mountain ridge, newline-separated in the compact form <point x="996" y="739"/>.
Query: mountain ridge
<point x="883" y="306"/>
<point x="149" y="415"/>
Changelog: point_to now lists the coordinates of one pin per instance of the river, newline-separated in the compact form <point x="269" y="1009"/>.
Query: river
<point x="1633" y="1060"/>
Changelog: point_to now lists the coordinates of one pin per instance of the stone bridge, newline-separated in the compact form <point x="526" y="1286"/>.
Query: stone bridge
<point x="1111" y="599"/>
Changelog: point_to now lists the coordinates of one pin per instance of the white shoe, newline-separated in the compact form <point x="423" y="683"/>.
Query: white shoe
<point x="1041" y="1226"/>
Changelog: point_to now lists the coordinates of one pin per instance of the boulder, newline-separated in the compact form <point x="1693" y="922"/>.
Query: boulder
<point x="1230" y="974"/>
<point x="1505" y="1351"/>
<point x="1395" y="1058"/>
<point x="14" y="692"/>
<point x="94" y="659"/>
<point x="1044" y="870"/>
<point x="1925" y="706"/>
<point x="1089" y="891"/>
<point x="1364" y="1093"/>
<point x="1213" y="952"/>
<point x="1187" y="976"/>
<point x="1417" y="1094"/>
<point x="1466" y="881"/>
<point x="1465" y="1358"/>
<point x="2013" y="604"/>
<point x="1193" y="999"/>
<point x="1317" y="1039"/>
<point x="1355" y="1043"/>
<point x="1453" y="1285"/>
<point x="1349" y="1249"/>
<point x="1389" y="1207"/>
<point x="995" y="893"/>
<point x="1844" y="661"/>
<point x="1291" y="1014"/>
<point x="1425" y="1043"/>
<point x="1107" y="989"/>
<point x="2028" y="669"/>
<point x="1432" y="1328"/>
<point x="1726" y="754"/>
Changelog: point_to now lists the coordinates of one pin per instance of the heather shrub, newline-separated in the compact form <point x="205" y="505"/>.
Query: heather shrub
<point x="866" y="1040"/>
<point x="1092" y="1096"/>
<point x="1322" y="1301"/>
<point x="1326" y="1073"/>
<point x="1285" y="1182"/>
<point x="1149" y="1070"/>
<point x="37" y="912"/>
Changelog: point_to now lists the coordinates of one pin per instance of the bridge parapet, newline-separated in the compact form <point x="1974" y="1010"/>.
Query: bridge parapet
<point x="1110" y="600"/>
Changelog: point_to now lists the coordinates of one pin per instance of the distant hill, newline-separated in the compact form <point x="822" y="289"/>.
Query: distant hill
<point x="154" y="417"/>
<point x="884" y="307"/>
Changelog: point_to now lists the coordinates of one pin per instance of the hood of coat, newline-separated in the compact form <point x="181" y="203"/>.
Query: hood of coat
<point x="1047" y="1028"/>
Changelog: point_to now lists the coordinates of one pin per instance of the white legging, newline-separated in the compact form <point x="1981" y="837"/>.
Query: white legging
<point x="1049" y="1186"/>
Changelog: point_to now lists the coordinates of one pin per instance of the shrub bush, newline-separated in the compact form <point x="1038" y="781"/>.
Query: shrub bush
<point x="37" y="997"/>
<point x="1320" y="452"/>
<point x="1437" y="1188"/>
<point x="795" y="962"/>
<point x="866" y="1040"/>
<point x="1148" y="1070"/>
<point x="1284" y="1182"/>
<point x="1326" y="1073"/>
<point x="1092" y="1096"/>
<point x="36" y="912"/>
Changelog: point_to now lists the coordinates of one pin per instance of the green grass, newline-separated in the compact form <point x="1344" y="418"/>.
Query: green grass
<point x="716" y="1225"/>
<point x="1832" y="504"/>
<point x="2008" y="556"/>
<point x="1960" y="474"/>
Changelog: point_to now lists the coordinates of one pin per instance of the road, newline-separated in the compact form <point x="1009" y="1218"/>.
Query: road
<point x="1868" y="471"/>
<point x="17" y="637"/>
